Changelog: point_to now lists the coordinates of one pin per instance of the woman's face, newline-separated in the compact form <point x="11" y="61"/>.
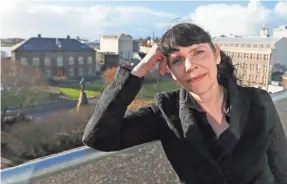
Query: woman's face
<point x="194" y="67"/>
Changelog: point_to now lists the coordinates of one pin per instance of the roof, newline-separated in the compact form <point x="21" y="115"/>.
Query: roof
<point x="117" y="35"/>
<point x="246" y="39"/>
<point x="50" y="44"/>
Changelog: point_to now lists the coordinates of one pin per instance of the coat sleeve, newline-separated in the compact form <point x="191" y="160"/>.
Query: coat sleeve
<point x="277" y="151"/>
<point x="111" y="128"/>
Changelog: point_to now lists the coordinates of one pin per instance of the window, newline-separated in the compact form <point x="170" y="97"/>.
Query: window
<point x="257" y="78"/>
<point x="48" y="73"/>
<point x="80" y="60"/>
<point x="260" y="56"/>
<point x="71" y="60"/>
<point x="257" y="67"/>
<point x="60" y="61"/>
<point x="90" y="71"/>
<point x="245" y="66"/>
<point x="265" y="68"/>
<point x="36" y="61"/>
<point x="47" y="61"/>
<point x="71" y="71"/>
<point x="90" y="60"/>
<point x="264" y="79"/>
<point x="81" y="72"/>
<point x="24" y="61"/>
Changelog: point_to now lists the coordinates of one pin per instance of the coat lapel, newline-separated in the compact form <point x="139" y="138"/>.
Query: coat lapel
<point x="190" y="128"/>
<point x="239" y="108"/>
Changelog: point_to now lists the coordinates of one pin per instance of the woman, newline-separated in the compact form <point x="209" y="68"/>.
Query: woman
<point x="212" y="130"/>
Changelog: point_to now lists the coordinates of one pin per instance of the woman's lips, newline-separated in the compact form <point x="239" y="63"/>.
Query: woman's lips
<point x="196" y="78"/>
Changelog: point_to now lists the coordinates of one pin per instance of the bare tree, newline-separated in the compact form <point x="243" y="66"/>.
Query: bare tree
<point x="21" y="86"/>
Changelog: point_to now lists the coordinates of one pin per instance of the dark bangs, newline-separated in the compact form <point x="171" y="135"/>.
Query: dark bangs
<point x="182" y="35"/>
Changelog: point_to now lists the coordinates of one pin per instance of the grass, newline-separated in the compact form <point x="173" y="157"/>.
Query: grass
<point x="75" y="93"/>
<point x="149" y="90"/>
<point x="32" y="98"/>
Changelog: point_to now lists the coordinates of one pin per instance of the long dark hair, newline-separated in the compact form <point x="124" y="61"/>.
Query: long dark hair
<point x="187" y="34"/>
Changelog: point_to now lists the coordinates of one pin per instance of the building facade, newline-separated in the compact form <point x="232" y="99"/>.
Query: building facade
<point x="121" y="44"/>
<point x="255" y="58"/>
<point x="57" y="57"/>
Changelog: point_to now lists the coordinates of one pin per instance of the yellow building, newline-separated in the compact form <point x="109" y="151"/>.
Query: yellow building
<point x="255" y="58"/>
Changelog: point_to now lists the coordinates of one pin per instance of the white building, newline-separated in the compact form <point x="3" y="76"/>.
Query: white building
<point x="255" y="57"/>
<point x="280" y="31"/>
<point x="5" y="52"/>
<point x="121" y="44"/>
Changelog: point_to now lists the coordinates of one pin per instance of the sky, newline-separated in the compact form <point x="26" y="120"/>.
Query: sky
<point x="89" y="19"/>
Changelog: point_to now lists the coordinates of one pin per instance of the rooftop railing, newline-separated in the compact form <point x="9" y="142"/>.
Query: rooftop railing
<point x="68" y="160"/>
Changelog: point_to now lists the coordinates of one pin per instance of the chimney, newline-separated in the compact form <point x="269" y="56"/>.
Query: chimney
<point x="68" y="37"/>
<point x="39" y="35"/>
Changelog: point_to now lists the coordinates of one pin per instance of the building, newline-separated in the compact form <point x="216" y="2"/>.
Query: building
<point x="121" y="44"/>
<point x="57" y="57"/>
<point x="284" y="81"/>
<point x="5" y="52"/>
<point x="256" y="58"/>
<point x="280" y="31"/>
<point x="106" y="60"/>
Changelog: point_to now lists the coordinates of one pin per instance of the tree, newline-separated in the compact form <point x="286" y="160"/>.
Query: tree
<point x="109" y="75"/>
<point x="21" y="86"/>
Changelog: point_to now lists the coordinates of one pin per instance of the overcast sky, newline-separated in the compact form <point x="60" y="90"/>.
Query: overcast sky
<point x="89" y="19"/>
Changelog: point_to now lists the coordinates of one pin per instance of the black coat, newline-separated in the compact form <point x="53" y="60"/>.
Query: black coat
<point x="256" y="153"/>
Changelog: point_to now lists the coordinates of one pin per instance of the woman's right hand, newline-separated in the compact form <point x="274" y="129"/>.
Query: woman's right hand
<point x="149" y="62"/>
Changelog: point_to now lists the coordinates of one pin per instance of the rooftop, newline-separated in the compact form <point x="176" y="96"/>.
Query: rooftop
<point x="51" y="44"/>
<point x="246" y="39"/>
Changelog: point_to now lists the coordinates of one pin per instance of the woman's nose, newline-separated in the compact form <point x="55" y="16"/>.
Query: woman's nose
<point x="189" y="65"/>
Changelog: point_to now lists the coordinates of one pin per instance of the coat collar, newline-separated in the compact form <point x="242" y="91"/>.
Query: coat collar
<point x="239" y="108"/>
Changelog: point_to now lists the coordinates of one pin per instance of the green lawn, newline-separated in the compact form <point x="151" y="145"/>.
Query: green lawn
<point x="149" y="90"/>
<point x="74" y="93"/>
<point x="31" y="97"/>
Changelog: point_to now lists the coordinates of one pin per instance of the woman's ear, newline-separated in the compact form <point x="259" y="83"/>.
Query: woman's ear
<point x="217" y="54"/>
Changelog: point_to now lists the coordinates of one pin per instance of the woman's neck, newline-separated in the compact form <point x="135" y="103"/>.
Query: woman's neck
<point x="213" y="98"/>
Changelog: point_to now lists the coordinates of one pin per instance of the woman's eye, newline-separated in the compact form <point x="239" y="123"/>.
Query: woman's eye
<point x="177" y="60"/>
<point x="198" y="52"/>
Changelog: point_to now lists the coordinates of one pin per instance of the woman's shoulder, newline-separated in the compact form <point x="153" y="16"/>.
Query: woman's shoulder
<point x="256" y="95"/>
<point x="167" y="94"/>
<point x="167" y="97"/>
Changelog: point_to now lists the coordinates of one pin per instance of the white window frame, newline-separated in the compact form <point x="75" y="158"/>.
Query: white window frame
<point x="80" y="72"/>
<point x="60" y="61"/>
<point x="35" y="61"/>
<point x="24" y="61"/>
<point x="71" y="71"/>
<point x="90" y="70"/>
<point x="47" y="61"/>
<point x="90" y="60"/>
<point x="71" y="60"/>
<point x="80" y="60"/>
